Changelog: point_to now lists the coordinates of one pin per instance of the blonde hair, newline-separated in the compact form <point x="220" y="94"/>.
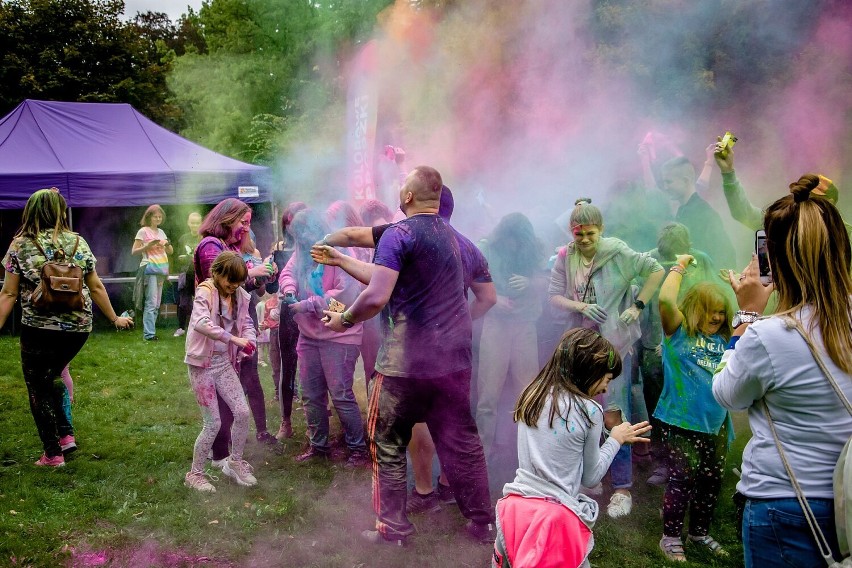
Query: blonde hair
<point x="45" y="209"/>
<point x="584" y="213"/>
<point x="699" y="303"/>
<point x="808" y="249"/>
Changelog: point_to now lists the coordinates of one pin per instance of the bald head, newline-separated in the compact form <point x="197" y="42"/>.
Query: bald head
<point x="421" y="192"/>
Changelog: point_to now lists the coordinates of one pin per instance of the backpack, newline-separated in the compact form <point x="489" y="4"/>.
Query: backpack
<point x="61" y="286"/>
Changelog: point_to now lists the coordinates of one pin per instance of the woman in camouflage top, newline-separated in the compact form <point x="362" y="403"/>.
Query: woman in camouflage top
<point x="50" y="340"/>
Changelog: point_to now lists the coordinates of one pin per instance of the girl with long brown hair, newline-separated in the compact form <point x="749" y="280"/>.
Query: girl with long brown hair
<point x="559" y="450"/>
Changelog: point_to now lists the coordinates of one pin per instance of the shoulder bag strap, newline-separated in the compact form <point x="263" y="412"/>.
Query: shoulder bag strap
<point x="822" y="542"/>
<point x="38" y="246"/>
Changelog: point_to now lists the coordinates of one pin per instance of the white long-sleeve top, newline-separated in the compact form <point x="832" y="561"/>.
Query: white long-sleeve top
<point x="556" y="462"/>
<point x="774" y="363"/>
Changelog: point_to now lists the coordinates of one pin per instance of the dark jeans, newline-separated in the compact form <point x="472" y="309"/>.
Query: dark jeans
<point x="326" y="370"/>
<point x="288" y="336"/>
<point x="395" y="405"/>
<point x="776" y="533"/>
<point x="44" y="353"/>
<point x="651" y="367"/>
<point x="696" y="463"/>
<point x="250" y="380"/>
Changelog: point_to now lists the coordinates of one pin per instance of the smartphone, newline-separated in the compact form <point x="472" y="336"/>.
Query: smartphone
<point x="762" y="257"/>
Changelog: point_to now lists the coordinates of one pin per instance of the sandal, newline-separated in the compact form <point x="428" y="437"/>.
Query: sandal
<point x="709" y="543"/>
<point x="672" y="548"/>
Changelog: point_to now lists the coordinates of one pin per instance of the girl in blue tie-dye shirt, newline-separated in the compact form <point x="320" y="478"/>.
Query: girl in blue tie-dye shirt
<point x="696" y="429"/>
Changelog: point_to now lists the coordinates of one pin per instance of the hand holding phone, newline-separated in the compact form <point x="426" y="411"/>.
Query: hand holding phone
<point x="762" y="257"/>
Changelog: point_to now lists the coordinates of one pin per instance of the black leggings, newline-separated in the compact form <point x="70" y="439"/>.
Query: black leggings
<point x="44" y="353"/>
<point x="696" y="463"/>
<point x="288" y="336"/>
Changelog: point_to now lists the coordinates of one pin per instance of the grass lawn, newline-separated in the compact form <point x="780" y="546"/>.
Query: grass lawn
<point x="120" y="501"/>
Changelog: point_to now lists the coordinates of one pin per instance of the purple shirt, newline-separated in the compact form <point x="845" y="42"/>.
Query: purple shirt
<point x="426" y="326"/>
<point x="474" y="263"/>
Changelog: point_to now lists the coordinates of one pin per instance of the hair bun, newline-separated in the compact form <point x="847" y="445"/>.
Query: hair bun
<point x="586" y="200"/>
<point x="802" y="188"/>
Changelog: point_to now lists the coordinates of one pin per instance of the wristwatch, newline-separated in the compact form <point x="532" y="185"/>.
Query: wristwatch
<point x="346" y="319"/>
<point x="639" y="304"/>
<point x="743" y="316"/>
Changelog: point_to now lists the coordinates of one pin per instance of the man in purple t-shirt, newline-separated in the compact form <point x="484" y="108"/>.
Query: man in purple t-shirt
<point x="424" y="365"/>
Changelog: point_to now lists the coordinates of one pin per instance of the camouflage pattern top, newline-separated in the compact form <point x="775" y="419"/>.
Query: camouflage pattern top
<point x="24" y="259"/>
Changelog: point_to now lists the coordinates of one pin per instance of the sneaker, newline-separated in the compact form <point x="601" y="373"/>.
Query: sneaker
<point x="375" y="537"/>
<point x="672" y="548"/>
<point x="595" y="491"/>
<point x="311" y="455"/>
<point x="446" y="495"/>
<point x="418" y="503"/>
<point x="285" y="431"/>
<point x="483" y="534"/>
<point x="660" y="476"/>
<point x="152" y="338"/>
<point x="709" y="543"/>
<point x="240" y="471"/>
<point x="198" y="480"/>
<point x="620" y="505"/>
<point x="68" y="444"/>
<point x="267" y="438"/>
<point x="55" y="461"/>
<point x="263" y="363"/>
<point x="218" y="464"/>
<point x="358" y="459"/>
<point x="178" y="332"/>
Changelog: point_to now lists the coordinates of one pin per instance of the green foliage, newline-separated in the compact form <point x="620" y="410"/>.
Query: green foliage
<point x="270" y="64"/>
<point x="81" y="50"/>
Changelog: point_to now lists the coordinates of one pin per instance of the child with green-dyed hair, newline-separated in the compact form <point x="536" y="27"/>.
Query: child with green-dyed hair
<point x="696" y="430"/>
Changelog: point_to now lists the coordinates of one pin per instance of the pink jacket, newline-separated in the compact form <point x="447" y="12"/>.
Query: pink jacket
<point x="336" y="284"/>
<point x="205" y="325"/>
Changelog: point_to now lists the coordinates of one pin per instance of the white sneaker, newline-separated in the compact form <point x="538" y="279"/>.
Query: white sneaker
<point x="240" y="471"/>
<point x="218" y="464"/>
<point x="620" y="505"/>
<point x="198" y="481"/>
<point x="178" y="332"/>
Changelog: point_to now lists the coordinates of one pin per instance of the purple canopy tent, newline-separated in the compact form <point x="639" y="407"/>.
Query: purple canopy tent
<point x="108" y="155"/>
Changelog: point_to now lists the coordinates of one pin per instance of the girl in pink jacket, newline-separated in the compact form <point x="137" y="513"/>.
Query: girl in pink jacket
<point x="220" y="333"/>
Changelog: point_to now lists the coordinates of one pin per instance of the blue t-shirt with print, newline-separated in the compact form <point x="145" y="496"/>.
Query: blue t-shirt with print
<point x="687" y="398"/>
<point x="426" y="327"/>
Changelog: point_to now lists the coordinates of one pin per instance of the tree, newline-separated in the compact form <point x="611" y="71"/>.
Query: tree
<point x="81" y="50"/>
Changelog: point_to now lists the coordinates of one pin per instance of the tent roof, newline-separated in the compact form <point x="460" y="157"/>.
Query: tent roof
<point x="106" y="154"/>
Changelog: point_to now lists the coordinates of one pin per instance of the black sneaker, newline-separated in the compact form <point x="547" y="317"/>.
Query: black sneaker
<point x="418" y="503"/>
<point x="375" y="537"/>
<point x="267" y="438"/>
<point x="483" y="534"/>
<point x="358" y="459"/>
<point x="312" y="454"/>
<point x="446" y="496"/>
